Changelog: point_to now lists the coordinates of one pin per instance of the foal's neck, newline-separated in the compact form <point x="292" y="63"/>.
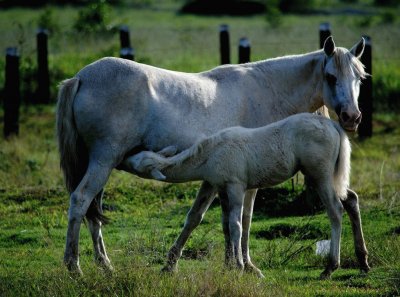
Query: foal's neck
<point x="297" y="80"/>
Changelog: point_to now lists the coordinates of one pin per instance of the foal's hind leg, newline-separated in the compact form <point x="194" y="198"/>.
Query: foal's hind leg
<point x="335" y="212"/>
<point x="91" y="184"/>
<point x="353" y="210"/>
<point x="95" y="219"/>
<point x="194" y="217"/>
<point x="248" y="205"/>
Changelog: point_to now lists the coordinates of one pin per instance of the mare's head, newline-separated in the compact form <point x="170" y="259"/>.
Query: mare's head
<point x="343" y="73"/>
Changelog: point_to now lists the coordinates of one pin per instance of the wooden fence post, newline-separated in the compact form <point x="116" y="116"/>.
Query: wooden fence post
<point x="126" y="51"/>
<point x="43" y="94"/>
<point x="11" y="93"/>
<point x="365" y="99"/>
<point x="244" y="50"/>
<point x="224" y="45"/>
<point x="324" y="33"/>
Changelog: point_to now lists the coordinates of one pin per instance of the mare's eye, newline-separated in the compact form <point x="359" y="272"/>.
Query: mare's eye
<point x="331" y="79"/>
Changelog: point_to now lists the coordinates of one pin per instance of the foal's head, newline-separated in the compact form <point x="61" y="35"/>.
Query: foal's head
<point x="343" y="72"/>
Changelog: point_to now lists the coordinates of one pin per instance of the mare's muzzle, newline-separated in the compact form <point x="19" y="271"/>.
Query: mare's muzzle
<point x="349" y="119"/>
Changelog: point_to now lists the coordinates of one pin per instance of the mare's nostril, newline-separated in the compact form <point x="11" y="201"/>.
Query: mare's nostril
<point x="344" y="116"/>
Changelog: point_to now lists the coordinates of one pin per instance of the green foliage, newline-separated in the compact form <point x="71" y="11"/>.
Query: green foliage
<point x="273" y="14"/>
<point x="388" y="17"/>
<point x="47" y="21"/>
<point x="93" y="18"/>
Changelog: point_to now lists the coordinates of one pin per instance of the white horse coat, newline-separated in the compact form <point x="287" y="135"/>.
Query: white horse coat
<point x="237" y="159"/>
<point x="114" y="108"/>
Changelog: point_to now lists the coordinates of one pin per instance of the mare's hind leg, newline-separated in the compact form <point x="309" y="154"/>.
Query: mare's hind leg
<point x="194" y="217"/>
<point x="95" y="219"/>
<point x="91" y="184"/>
<point x="335" y="212"/>
<point x="353" y="210"/>
<point x="248" y="206"/>
<point x="225" y="226"/>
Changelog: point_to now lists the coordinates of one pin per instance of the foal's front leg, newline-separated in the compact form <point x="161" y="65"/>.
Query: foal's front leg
<point x="353" y="210"/>
<point x="248" y="206"/>
<point x="335" y="212"/>
<point x="236" y="193"/>
<point x="194" y="217"/>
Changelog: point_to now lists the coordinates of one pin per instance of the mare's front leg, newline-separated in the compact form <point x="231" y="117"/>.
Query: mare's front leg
<point x="248" y="206"/>
<point x="335" y="212"/>
<point x="353" y="210"/>
<point x="95" y="219"/>
<point x="91" y="184"/>
<point x="236" y="193"/>
<point x="194" y="217"/>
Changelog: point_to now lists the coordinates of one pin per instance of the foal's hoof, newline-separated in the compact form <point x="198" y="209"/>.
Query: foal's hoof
<point x="325" y="275"/>
<point x="253" y="270"/>
<point x="75" y="273"/>
<point x="74" y="270"/>
<point x="108" y="268"/>
<point x="365" y="269"/>
<point x="169" y="269"/>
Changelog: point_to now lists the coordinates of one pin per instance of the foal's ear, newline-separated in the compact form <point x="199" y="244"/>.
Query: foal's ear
<point x="329" y="46"/>
<point x="358" y="49"/>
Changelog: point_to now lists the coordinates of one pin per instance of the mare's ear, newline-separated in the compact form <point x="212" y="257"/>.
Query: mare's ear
<point x="168" y="151"/>
<point x="329" y="46"/>
<point x="358" y="49"/>
<point x="156" y="174"/>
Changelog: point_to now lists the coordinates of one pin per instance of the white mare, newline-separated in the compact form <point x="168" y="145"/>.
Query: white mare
<point x="238" y="159"/>
<point x="114" y="108"/>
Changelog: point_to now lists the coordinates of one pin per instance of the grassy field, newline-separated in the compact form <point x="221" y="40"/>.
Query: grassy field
<point x="146" y="216"/>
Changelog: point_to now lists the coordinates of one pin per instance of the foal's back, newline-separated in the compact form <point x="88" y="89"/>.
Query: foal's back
<point x="269" y="155"/>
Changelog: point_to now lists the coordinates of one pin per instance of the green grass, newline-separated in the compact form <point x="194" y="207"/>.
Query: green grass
<point x="146" y="216"/>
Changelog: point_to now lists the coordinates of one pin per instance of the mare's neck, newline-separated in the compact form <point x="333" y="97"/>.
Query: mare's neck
<point x="295" y="80"/>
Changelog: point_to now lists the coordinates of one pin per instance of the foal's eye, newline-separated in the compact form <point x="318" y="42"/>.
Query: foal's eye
<point x="331" y="79"/>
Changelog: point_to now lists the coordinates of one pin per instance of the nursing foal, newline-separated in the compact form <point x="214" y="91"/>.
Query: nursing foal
<point x="238" y="159"/>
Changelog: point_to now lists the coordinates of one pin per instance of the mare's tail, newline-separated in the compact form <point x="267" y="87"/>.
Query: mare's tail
<point x="341" y="176"/>
<point x="73" y="154"/>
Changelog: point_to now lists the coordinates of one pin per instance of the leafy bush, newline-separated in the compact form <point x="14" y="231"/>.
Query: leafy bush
<point x="46" y="20"/>
<point x="273" y="14"/>
<point x="93" y="18"/>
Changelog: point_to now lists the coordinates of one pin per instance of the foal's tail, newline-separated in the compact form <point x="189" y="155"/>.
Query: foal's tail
<point x="73" y="154"/>
<point x="342" y="169"/>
